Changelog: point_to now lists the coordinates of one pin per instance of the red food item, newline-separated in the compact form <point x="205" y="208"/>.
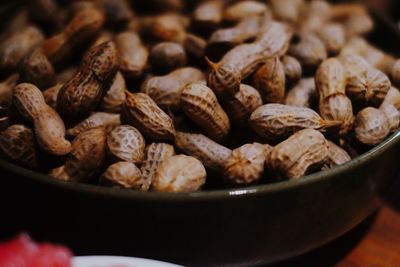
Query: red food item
<point x="23" y="252"/>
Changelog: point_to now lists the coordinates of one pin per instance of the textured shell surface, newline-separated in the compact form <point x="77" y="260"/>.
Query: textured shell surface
<point x="302" y="94"/>
<point x="125" y="174"/>
<point x="371" y="126"/>
<point x="336" y="155"/>
<point x="114" y="98"/>
<point x="97" y="119"/>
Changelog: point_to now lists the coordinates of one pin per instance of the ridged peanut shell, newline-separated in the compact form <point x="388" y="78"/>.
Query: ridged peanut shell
<point x="292" y="68"/>
<point x="97" y="119"/>
<point x="336" y="155"/>
<point x="114" y="98"/>
<point x="244" y="9"/>
<point x="371" y="126"/>
<point x="303" y="94"/>
<point x="124" y="174"/>
<point x="330" y="78"/>
<point x="338" y="107"/>
<point x="392" y="98"/>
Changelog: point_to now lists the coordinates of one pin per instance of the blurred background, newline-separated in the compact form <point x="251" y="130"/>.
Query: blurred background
<point x="389" y="7"/>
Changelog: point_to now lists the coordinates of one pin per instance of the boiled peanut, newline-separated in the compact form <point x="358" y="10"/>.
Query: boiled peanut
<point x="124" y="174"/>
<point x="114" y="98"/>
<point x="245" y="9"/>
<point x="210" y="153"/>
<point x="371" y="126"/>
<point x="97" y="119"/>
<point x="295" y="156"/>
<point x="86" y="157"/>
<point x="17" y="143"/>
<point x="132" y="54"/>
<point x="13" y="49"/>
<point x="293" y="69"/>
<point x="245" y="165"/>
<point x="200" y="104"/>
<point x="393" y="116"/>
<point x="81" y="95"/>
<point x="303" y="94"/>
<point x="35" y="68"/>
<point x="392" y="98"/>
<point x="336" y="155"/>
<point x="242" y="104"/>
<point x="179" y="173"/>
<point x="126" y="143"/>
<point x="277" y="120"/>
<point x="365" y="84"/>
<point x="243" y="60"/>
<point x="270" y="81"/>
<point x="287" y="10"/>
<point x="143" y="113"/>
<point x="333" y="35"/>
<point x="166" y="90"/>
<point x="317" y="13"/>
<point x="167" y="56"/>
<point x="48" y="127"/>
<point x="156" y="153"/>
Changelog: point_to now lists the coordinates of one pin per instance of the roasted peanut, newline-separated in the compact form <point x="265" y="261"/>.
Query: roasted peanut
<point x="114" y="98"/>
<point x="270" y="81"/>
<point x="167" y="56"/>
<point x="143" y="113"/>
<point x="317" y="13"/>
<point x="371" y="126"/>
<point x="295" y="156"/>
<point x="334" y="105"/>
<point x="287" y="10"/>
<point x="81" y="95"/>
<point x="166" y="90"/>
<point x="17" y="143"/>
<point x="245" y="165"/>
<point x="334" y="37"/>
<point x="392" y="98"/>
<point x="194" y="46"/>
<point x="243" y="60"/>
<point x="208" y="15"/>
<point x="132" y="54"/>
<point x="35" y="68"/>
<point x="97" y="119"/>
<point x="245" y="9"/>
<point x="118" y="12"/>
<point x="393" y="116"/>
<point x="242" y="104"/>
<point x="126" y="143"/>
<point x="308" y="48"/>
<point x="84" y="26"/>
<point x="50" y="95"/>
<point x="275" y="121"/>
<point x="336" y="155"/>
<point x="6" y="91"/>
<point x="15" y="47"/>
<point x="365" y="84"/>
<point x="200" y="104"/>
<point x="86" y="157"/>
<point x="304" y="94"/>
<point x="179" y="173"/>
<point x="293" y="70"/>
<point x="48" y="127"/>
<point x="124" y="174"/>
<point x="156" y="153"/>
<point x="210" y="153"/>
<point x="395" y="73"/>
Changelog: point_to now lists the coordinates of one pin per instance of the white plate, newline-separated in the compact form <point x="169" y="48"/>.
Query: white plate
<point x="112" y="261"/>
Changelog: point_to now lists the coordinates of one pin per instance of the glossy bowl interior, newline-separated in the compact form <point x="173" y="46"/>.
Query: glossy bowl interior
<point x="236" y="227"/>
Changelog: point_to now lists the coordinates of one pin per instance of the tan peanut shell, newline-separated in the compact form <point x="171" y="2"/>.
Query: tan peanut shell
<point x="333" y="35"/>
<point x="317" y="13"/>
<point x="81" y="95"/>
<point x="240" y="62"/>
<point x="179" y="173"/>
<point x="208" y="15"/>
<point x="144" y="114"/>
<point x="50" y="95"/>
<point x="270" y="81"/>
<point x="295" y="156"/>
<point x="309" y="49"/>
<point x="48" y="126"/>
<point x="124" y="174"/>
<point x="167" y="56"/>
<point x="277" y="120"/>
<point x="200" y="104"/>
<point x="210" y="153"/>
<point x="244" y="9"/>
<point x="67" y="74"/>
<point x="97" y="119"/>
<point x="287" y="10"/>
<point x="338" y="108"/>
<point x="302" y="94"/>
<point x="246" y="164"/>
<point x="166" y="90"/>
<point x="114" y="98"/>
<point x="292" y="68"/>
<point x="35" y="68"/>
<point x="155" y="154"/>
<point x="126" y="143"/>
<point x="371" y="126"/>
<point x="14" y="48"/>
<point x="17" y="143"/>
<point x="133" y="55"/>
<point x="365" y="84"/>
<point x="86" y="157"/>
<point x="336" y="155"/>
<point x="6" y="90"/>
<point x="392" y="98"/>
<point x="393" y="116"/>
<point x="83" y="26"/>
<point x="167" y="27"/>
<point x="242" y="104"/>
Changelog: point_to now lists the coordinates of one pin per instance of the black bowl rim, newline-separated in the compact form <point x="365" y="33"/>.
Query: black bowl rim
<point x="254" y="190"/>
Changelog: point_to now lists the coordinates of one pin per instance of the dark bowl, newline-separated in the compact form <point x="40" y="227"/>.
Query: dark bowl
<point x="236" y="227"/>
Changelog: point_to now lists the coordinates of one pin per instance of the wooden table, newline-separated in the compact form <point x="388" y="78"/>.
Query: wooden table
<point x="374" y="243"/>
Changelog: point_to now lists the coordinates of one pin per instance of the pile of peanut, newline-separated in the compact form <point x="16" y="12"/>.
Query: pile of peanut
<point x="160" y="94"/>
